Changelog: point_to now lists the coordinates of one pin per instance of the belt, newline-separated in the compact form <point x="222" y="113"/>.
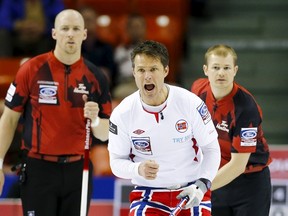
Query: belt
<point x="179" y="186"/>
<point x="56" y="158"/>
<point x="173" y="187"/>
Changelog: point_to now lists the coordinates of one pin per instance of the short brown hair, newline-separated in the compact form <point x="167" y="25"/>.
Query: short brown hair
<point x="221" y="50"/>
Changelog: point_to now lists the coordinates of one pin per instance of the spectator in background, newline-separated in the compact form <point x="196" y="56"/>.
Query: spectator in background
<point x="136" y="32"/>
<point x="102" y="55"/>
<point x="25" y="26"/>
<point x="198" y="8"/>
<point x="94" y="49"/>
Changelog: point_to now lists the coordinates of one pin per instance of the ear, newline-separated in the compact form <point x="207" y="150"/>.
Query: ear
<point x="205" y="69"/>
<point x="236" y="70"/>
<point x="85" y="34"/>
<point x="53" y="32"/>
<point x="166" y="71"/>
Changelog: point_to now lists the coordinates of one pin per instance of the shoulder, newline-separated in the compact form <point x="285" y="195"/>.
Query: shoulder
<point x="200" y="85"/>
<point x="34" y="63"/>
<point x="244" y="100"/>
<point x="126" y="106"/>
<point x="93" y="68"/>
<point x="243" y="95"/>
<point x="183" y="96"/>
<point x="128" y="102"/>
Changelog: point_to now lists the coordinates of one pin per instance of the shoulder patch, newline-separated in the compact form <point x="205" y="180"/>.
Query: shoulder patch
<point x="248" y="136"/>
<point x="113" y="128"/>
<point x="204" y="113"/>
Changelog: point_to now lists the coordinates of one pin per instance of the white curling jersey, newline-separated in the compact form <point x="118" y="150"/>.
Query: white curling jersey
<point x="172" y="135"/>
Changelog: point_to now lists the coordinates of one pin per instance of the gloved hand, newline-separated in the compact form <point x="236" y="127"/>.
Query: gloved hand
<point x="195" y="192"/>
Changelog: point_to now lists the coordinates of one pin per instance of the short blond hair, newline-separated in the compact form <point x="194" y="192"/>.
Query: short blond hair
<point x="221" y="50"/>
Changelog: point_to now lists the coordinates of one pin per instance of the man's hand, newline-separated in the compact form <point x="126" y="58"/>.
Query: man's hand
<point x="91" y="109"/>
<point x="195" y="192"/>
<point x="148" y="169"/>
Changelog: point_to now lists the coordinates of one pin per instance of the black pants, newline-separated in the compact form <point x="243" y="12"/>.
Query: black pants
<point x="53" y="189"/>
<point x="247" y="195"/>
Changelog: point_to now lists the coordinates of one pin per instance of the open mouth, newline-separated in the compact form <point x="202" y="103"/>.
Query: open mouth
<point x="149" y="87"/>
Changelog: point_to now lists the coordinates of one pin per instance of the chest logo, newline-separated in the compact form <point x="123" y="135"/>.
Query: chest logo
<point x="142" y="145"/>
<point x="223" y="126"/>
<point x="48" y="94"/>
<point x="138" y="131"/>
<point x="81" y="89"/>
<point x="181" y="126"/>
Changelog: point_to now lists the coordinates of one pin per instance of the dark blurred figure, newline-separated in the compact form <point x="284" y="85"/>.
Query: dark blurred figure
<point x="25" y="24"/>
<point x="198" y="8"/>
<point x="102" y="55"/>
<point x="95" y="50"/>
<point x="136" y="32"/>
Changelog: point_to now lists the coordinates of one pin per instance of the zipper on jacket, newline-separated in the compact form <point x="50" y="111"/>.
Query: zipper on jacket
<point x="67" y="72"/>
<point x="38" y="121"/>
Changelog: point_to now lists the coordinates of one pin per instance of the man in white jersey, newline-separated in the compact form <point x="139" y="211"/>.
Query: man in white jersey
<point x="162" y="138"/>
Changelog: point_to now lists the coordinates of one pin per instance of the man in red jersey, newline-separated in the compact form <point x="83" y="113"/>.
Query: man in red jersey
<point x="242" y="186"/>
<point x="50" y="92"/>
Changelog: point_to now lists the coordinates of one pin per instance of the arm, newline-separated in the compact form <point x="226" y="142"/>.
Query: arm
<point x="124" y="168"/>
<point x="211" y="160"/>
<point x="210" y="165"/>
<point x="235" y="167"/>
<point x="101" y="130"/>
<point x="8" y="124"/>
<point x="99" y="126"/>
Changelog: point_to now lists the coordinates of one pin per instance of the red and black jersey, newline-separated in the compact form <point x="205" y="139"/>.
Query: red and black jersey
<point x="49" y="94"/>
<point x="237" y="118"/>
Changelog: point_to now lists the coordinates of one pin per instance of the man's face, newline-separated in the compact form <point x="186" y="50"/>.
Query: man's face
<point x="69" y="32"/>
<point x="149" y="76"/>
<point x="90" y="19"/>
<point x="220" y="71"/>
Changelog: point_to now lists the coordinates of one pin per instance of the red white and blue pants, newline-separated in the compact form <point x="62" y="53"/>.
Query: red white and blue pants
<point x="158" y="201"/>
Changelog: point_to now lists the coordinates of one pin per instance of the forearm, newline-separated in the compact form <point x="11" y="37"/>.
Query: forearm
<point x="235" y="167"/>
<point x="224" y="176"/>
<point x="7" y="131"/>
<point x="101" y="130"/>
<point x="8" y="124"/>
<point x="123" y="167"/>
<point x="211" y="160"/>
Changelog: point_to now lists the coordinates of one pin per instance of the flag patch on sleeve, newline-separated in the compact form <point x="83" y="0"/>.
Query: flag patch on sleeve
<point x="113" y="128"/>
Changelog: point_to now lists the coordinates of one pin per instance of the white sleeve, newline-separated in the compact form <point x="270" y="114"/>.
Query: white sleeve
<point x="122" y="167"/>
<point x="211" y="160"/>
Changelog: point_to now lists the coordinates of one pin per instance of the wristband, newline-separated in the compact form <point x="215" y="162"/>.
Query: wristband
<point x="1" y="163"/>
<point x="206" y="182"/>
<point x="96" y="122"/>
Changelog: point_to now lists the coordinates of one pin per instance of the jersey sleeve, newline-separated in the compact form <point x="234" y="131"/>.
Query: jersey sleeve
<point x="104" y="100"/>
<point x="118" y="141"/>
<point x="246" y="128"/>
<point x="18" y="91"/>
<point x="203" y="128"/>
